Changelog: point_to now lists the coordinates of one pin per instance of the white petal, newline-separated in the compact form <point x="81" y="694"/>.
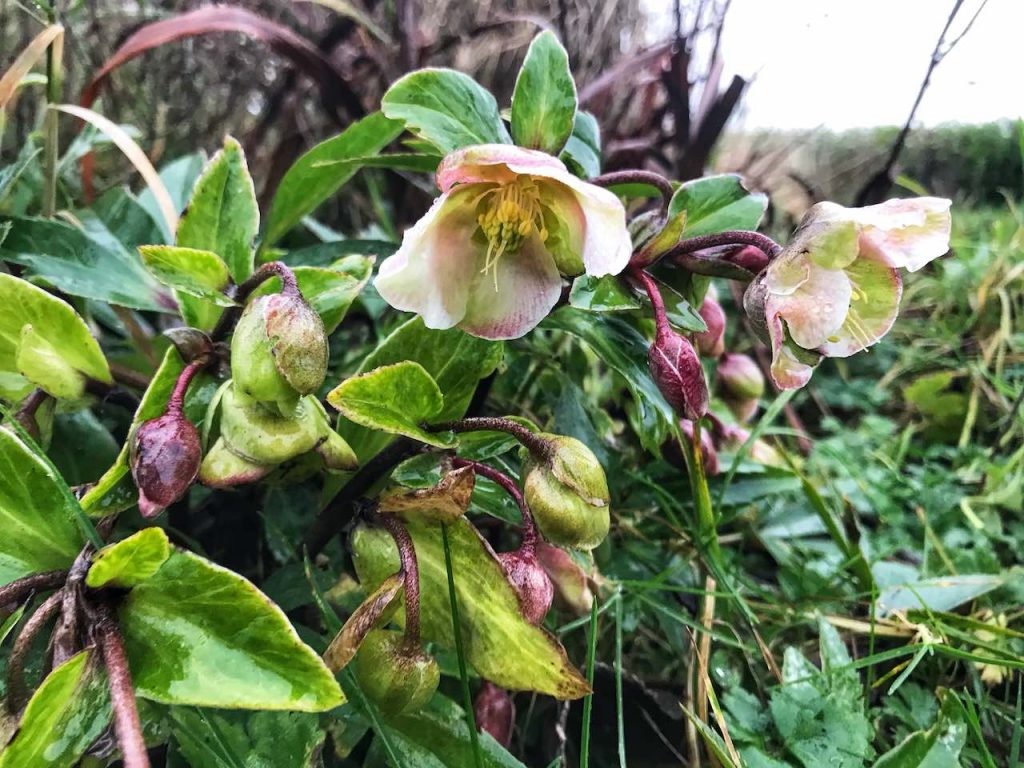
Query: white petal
<point x="528" y="287"/>
<point x="906" y="233"/>
<point x="430" y="273"/>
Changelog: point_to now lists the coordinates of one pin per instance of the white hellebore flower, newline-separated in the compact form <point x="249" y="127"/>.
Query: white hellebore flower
<point x="835" y="289"/>
<point x="489" y="255"/>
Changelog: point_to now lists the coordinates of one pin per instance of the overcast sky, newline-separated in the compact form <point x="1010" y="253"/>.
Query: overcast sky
<point x="853" y="63"/>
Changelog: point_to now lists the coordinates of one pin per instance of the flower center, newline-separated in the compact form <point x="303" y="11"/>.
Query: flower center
<point x="509" y="214"/>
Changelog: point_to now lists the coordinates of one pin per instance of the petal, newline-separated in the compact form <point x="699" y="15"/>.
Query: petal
<point x="906" y="233"/>
<point x="566" y="225"/>
<point x="875" y="303"/>
<point x="788" y="371"/>
<point x="829" y="244"/>
<point x="492" y="162"/>
<point x="816" y="308"/>
<point x="607" y="246"/>
<point x="528" y="286"/>
<point x="430" y="273"/>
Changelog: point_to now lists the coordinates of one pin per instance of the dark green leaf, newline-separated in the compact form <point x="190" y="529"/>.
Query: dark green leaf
<point x="601" y="294"/>
<point x="305" y="186"/>
<point x="447" y="108"/>
<point x="583" y="149"/>
<point x="937" y="747"/>
<point x="942" y="593"/>
<point x="544" y="100"/>
<point x="716" y="204"/>
<point x="225" y="739"/>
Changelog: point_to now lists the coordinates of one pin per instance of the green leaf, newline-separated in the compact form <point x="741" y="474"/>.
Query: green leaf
<point x="56" y="331"/>
<point x="393" y="398"/>
<point x="437" y="735"/>
<point x="942" y="593"/>
<point x="406" y="161"/>
<point x="65" y="715"/>
<point x="937" y="747"/>
<point x="447" y="108"/>
<point x="40" y="532"/>
<point x="198" y="273"/>
<point x="197" y="633"/>
<point x="500" y="644"/>
<point x="81" y="263"/>
<point x="222" y="215"/>
<point x="583" y="149"/>
<point x="326" y="254"/>
<point x="225" y="739"/>
<point x="716" y="204"/>
<point x="130" y="561"/>
<point x="179" y="177"/>
<point x="115" y="491"/>
<point x="820" y="715"/>
<point x="624" y="350"/>
<point x="601" y="294"/>
<point x="329" y="290"/>
<point x="544" y="100"/>
<point x="307" y="184"/>
<point x="9" y="174"/>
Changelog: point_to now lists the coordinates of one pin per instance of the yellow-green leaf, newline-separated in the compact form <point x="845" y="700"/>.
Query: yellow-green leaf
<point x="130" y="561"/>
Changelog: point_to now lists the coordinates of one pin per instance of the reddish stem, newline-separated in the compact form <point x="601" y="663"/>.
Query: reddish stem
<point x="410" y="572"/>
<point x="122" y="694"/>
<point x="176" y="402"/>
<point x="230" y="316"/>
<point x="17" y="690"/>
<point x="16" y="590"/>
<point x="733" y="237"/>
<point x="654" y="294"/>
<point x="529" y="526"/>
<point x="663" y="185"/>
<point x="535" y="444"/>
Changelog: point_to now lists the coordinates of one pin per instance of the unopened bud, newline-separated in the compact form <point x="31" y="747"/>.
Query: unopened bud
<point x="572" y="588"/>
<point x="279" y="350"/>
<point x="741" y="384"/>
<point x="676" y="370"/>
<point x="750" y="257"/>
<point x="495" y="712"/>
<point x="531" y="584"/>
<point x="707" y="447"/>
<point x="394" y="673"/>
<point x="711" y="342"/>
<point x="566" y="489"/>
<point x="165" y="456"/>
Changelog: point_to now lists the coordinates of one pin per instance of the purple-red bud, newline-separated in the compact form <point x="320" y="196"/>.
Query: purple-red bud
<point x="707" y="446"/>
<point x="711" y="342"/>
<point x="750" y="257"/>
<point x="531" y="584"/>
<point x="572" y="587"/>
<point x="676" y="370"/>
<point x="741" y="384"/>
<point x="495" y="712"/>
<point x="165" y="456"/>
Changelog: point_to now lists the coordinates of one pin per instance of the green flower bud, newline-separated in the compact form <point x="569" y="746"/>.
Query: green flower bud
<point x="566" y="489"/>
<point x="394" y="673"/>
<point x="262" y="435"/>
<point x="279" y="350"/>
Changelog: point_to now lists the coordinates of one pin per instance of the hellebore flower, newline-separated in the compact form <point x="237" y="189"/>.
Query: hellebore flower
<point x="489" y="254"/>
<point x="711" y="343"/>
<point x="741" y="384"/>
<point x="835" y="289"/>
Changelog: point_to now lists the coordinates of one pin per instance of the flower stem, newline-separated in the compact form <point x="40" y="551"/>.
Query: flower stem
<point x="17" y="690"/>
<point x="529" y="526"/>
<point x="122" y="694"/>
<point x="467" y="699"/>
<point x="229" y="316"/>
<point x="16" y="590"/>
<point x="732" y="237"/>
<point x="176" y="402"/>
<point x="637" y="176"/>
<point x="26" y="413"/>
<point x="51" y="137"/>
<point x="529" y="439"/>
<point x="410" y="573"/>
<point x="657" y="302"/>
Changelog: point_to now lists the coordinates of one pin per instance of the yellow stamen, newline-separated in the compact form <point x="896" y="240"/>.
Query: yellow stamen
<point x="510" y="213"/>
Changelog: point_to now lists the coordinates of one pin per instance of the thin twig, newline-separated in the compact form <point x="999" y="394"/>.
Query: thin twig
<point x="17" y="689"/>
<point x="122" y="694"/>
<point x="529" y="439"/>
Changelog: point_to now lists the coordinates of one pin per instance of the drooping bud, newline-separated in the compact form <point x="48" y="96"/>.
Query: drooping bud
<point x="572" y="588"/>
<point x="395" y="674"/>
<point x="707" y="446"/>
<point x="279" y="349"/>
<point x="566" y="489"/>
<point x="711" y="342"/>
<point x="741" y="384"/>
<point x="530" y="582"/>
<point x="750" y="257"/>
<point x="676" y="370"/>
<point x="165" y="452"/>
<point x="495" y="712"/>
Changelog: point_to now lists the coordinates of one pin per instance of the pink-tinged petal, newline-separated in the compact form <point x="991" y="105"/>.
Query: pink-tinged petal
<point x="815" y="308"/>
<point x="528" y="287"/>
<point x="906" y="233"/>
<point x="499" y="163"/>
<point x="566" y="225"/>
<point x="788" y="371"/>
<point x="607" y="246"/>
<point x="874" y="305"/>
<point x="828" y="241"/>
<point x="430" y="273"/>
